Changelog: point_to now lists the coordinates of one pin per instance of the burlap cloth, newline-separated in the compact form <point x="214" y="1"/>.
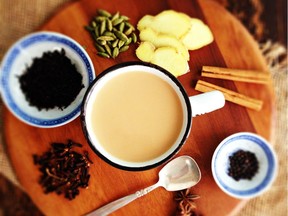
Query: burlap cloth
<point x="19" y="17"/>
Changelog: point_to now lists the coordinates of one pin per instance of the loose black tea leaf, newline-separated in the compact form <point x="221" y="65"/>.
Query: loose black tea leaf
<point x="243" y="165"/>
<point x="51" y="81"/>
<point x="63" y="170"/>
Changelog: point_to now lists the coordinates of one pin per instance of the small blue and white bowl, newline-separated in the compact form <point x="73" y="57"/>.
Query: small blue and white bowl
<point x="15" y="63"/>
<point x="261" y="181"/>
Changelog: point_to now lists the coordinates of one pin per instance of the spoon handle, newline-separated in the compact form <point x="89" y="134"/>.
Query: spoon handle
<point x="113" y="206"/>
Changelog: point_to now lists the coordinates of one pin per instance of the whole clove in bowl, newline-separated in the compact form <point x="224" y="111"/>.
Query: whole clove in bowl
<point x="244" y="165"/>
<point x="44" y="77"/>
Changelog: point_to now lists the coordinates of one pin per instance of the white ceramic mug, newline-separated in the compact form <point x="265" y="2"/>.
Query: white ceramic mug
<point x="189" y="107"/>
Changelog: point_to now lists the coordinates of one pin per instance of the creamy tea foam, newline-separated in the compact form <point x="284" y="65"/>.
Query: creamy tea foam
<point x="136" y="116"/>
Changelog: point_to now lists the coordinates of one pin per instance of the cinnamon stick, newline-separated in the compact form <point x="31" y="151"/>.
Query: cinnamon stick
<point x="231" y="96"/>
<point x="251" y="76"/>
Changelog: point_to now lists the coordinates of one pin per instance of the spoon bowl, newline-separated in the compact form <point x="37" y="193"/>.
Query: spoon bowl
<point x="179" y="174"/>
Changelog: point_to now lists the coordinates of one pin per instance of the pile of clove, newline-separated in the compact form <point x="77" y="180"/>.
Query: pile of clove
<point x="63" y="170"/>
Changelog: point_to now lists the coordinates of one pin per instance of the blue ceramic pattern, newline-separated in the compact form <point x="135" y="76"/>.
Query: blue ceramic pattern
<point x="13" y="54"/>
<point x="269" y="175"/>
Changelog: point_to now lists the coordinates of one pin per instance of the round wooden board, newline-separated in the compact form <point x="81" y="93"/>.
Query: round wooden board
<point x="233" y="47"/>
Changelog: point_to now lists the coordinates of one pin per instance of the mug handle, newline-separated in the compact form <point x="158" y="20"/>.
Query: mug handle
<point x="206" y="102"/>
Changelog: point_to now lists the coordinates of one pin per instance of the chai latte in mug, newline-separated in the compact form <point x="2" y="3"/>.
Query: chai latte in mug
<point x="136" y="116"/>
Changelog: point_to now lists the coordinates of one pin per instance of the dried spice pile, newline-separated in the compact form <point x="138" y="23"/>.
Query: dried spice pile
<point x="63" y="170"/>
<point x="112" y="33"/>
<point x="51" y="81"/>
<point x="243" y="165"/>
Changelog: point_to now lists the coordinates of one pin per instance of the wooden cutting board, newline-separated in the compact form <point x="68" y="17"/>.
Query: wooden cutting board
<point x="233" y="47"/>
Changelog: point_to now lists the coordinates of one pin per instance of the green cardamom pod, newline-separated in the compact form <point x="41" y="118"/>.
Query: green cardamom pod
<point x="128" y="41"/>
<point x="124" y="48"/>
<point x="117" y="21"/>
<point x="109" y="33"/>
<point x="121" y="35"/>
<point x="115" y="52"/>
<point x="104" y="13"/>
<point x="134" y="37"/>
<point x="105" y="38"/>
<point x="114" y="43"/>
<point x="102" y="27"/>
<point x="109" y="25"/>
<point x="115" y="16"/>
<point x="99" y="47"/>
<point x="108" y="49"/>
<point x="102" y="42"/>
<point x="96" y="32"/>
<point x="120" y="43"/>
<point x="128" y="31"/>
<point x="103" y="54"/>
<point x="94" y="24"/>
<point x="89" y="28"/>
<point x="125" y="18"/>
<point x="100" y="19"/>
<point x="121" y="27"/>
<point x="129" y="25"/>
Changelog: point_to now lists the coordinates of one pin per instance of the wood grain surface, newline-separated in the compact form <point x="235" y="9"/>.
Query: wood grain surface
<point x="233" y="47"/>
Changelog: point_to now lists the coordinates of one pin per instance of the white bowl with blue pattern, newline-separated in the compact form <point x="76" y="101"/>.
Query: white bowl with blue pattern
<point x="15" y="63"/>
<point x="244" y="188"/>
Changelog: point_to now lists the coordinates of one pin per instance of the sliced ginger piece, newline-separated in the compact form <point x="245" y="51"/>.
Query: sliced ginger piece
<point x="166" y="57"/>
<point x="172" y="22"/>
<point x="167" y="22"/>
<point x="167" y="38"/>
<point x="145" y="22"/>
<point x="192" y="32"/>
<point x="163" y="40"/>
<point x="145" y="51"/>
<point x="198" y="36"/>
<point x="169" y="59"/>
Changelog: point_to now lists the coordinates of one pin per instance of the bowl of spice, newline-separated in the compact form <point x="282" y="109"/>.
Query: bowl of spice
<point x="244" y="165"/>
<point x="44" y="77"/>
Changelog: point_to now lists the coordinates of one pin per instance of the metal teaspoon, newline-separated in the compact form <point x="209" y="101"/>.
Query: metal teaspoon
<point x="180" y="173"/>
